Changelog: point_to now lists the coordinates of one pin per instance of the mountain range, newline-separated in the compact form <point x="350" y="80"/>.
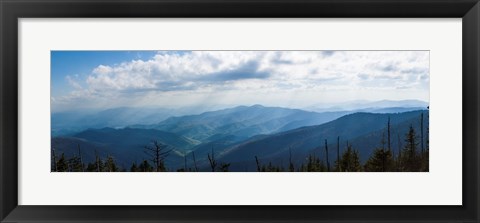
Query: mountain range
<point x="364" y="131"/>
<point x="235" y="135"/>
<point x="70" y="122"/>
<point x="382" y="106"/>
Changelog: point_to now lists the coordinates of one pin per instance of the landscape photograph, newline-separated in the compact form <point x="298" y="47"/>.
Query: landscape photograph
<point x="240" y="111"/>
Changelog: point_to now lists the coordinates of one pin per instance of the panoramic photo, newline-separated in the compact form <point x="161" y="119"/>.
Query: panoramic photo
<point x="240" y="111"/>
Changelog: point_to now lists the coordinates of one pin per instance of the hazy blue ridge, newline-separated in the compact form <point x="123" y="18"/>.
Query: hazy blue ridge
<point x="238" y="134"/>
<point x="363" y="130"/>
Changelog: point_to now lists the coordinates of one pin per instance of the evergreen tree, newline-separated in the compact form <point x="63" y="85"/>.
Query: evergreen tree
<point x="346" y="161"/>
<point x="75" y="164"/>
<point x="426" y="159"/>
<point x="311" y="163"/>
<point x="421" y="132"/>
<point x="409" y="160"/>
<point x="271" y="168"/>
<point x="425" y="151"/>
<point x="357" y="166"/>
<point x="62" y="165"/>
<point x="99" y="165"/>
<point x="350" y="161"/>
<point x="380" y="161"/>
<point x="314" y="164"/>
<point x="134" y="168"/>
<point x="224" y="167"/>
<point x="302" y="168"/>
<point x="145" y="167"/>
<point x="110" y="165"/>
<point x="291" y="167"/>
<point x="91" y="167"/>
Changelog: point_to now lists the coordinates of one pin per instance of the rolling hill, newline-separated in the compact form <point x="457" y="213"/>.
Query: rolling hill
<point x="125" y="145"/>
<point x="238" y="134"/>
<point x="362" y="130"/>
<point x="242" y="122"/>
<point x="68" y="123"/>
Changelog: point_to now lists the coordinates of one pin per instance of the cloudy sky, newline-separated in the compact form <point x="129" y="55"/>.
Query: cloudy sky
<point x="174" y="79"/>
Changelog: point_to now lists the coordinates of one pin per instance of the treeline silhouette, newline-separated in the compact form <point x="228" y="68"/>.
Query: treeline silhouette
<point x="76" y="164"/>
<point x="413" y="157"/>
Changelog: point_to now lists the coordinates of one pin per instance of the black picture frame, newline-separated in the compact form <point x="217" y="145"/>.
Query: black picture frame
<point x="12" y="10"/>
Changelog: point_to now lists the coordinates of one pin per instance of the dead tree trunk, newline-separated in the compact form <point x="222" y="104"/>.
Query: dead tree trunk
<point x="259" y="169"/>
<point x="54" y="160"/>
<point x="421" y="131"/>
<point x="338" y="155"/>
<point x="383" y="151"/>
<point x="185" y="161"/>
<point x="291" y="167"/>
<point x="399" y="151"/>
<point x="326" y="149"/>
<point x="195" y="162"/>
<point x="158" y="154"/>
<point x="97" y="161"/>
<point x="80" y="155"/>
<point x="213" y="162"/>
<point x="388" y="130"/>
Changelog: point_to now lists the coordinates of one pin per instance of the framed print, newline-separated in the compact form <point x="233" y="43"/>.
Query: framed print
<point x="239" y="111"/>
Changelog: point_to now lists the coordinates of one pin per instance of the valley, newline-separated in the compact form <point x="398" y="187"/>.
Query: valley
<point x="239" y="139"/>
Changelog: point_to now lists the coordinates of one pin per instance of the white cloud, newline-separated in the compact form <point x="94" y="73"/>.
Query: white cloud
<point x="73" y="81"/>
<point x="242" y="73"/>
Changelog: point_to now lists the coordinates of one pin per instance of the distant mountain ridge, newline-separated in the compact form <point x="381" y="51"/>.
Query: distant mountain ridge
<point x="236" y="135"/>
<point x="369" y="106"/>
<point x="71" y="122"/>
<point x="242" y="122"/>
<point x="302" y="141"/>
<point x="67" y="123"/>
